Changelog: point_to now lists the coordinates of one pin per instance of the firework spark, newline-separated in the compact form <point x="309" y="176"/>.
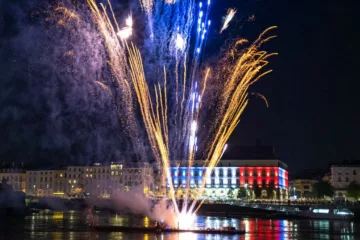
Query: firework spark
<point x="126" y="32"/>
<point x="230" y="15"/>
<point x="262" y="97"/>
<point x="180" y="42"/>
<point x="147" y="6"/>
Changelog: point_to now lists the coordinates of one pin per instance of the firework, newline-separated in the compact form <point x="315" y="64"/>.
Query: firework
<point x="230" y="15"/>
<point x="150" y="88"/>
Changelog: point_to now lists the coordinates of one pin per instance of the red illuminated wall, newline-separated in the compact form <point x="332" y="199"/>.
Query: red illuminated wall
<point x="260" y="174"/>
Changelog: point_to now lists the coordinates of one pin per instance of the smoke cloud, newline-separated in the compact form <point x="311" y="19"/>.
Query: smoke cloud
<point x="54" y="108"/>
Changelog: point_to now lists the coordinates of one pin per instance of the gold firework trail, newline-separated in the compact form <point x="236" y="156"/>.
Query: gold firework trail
<point x="262" y="97"/>
<point x="238" y="70"/>
<point x="245" y="70"/>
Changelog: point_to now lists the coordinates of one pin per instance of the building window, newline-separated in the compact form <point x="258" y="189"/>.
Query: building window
<point x="41" y="179"/>
<point x="212" y="182"/>
<point x="339" y="180"/>
<point x="347" y="179"/>
<point x="306" y="187"/>
<point x="354" y="172"/>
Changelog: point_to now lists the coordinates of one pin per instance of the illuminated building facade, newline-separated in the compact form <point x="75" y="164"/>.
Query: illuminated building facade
<point x="231" y="175"/>
<point x="237" y="174"/>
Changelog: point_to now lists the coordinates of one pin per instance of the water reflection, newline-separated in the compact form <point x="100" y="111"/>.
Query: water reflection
<point x="72" y="225"/>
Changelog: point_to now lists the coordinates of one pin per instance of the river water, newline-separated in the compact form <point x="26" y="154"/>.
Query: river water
<point x="71" y="225"/>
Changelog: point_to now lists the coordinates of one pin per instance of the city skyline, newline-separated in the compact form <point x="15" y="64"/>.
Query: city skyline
<point x="309" y="118"/>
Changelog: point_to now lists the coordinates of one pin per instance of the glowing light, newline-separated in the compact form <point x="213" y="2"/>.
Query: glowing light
<point x="129" y="21"/>
<point x="185" y="220"/>
<point x="180" y="43"/>
<point x="230" y="14"/>
<point x="126" y="32"/>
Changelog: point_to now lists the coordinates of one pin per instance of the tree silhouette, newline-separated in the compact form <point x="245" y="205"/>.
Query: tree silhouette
<point x="257" y="190"/>
<point x="270" y="189"/>
<point x="353" y="191"/>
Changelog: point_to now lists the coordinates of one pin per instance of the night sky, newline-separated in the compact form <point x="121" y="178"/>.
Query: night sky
<point x="313" y="118"/>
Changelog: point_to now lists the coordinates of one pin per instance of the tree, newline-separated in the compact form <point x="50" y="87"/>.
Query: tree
<point x="353" y="191"/>
<point x="257" y="190"/>
<point x="270" y="189"/>
<point x="230" y="194"/>
<point x="322" y="189"/>
<point x="241" y="193"/>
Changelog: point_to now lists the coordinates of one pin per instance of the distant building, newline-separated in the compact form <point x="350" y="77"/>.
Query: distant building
<point x="97" y="180"/>
<point x="302" y="187"/>
<point x="45" y="183"/>
<point x="134" y="176"/>
<point x="342" y="176"/>
<point x="16" y="177"/>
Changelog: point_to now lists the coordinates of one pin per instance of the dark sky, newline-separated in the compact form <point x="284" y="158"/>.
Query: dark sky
<point x="313" y="118"/>
<point x="314" y="115"/>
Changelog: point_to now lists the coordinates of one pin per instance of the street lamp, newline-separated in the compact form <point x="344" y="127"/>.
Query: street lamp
<point x="294" y="188"/>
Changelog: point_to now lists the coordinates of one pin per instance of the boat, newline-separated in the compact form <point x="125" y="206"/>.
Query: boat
<point x="327" y="213"/>
<point x="224" y="231"/>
